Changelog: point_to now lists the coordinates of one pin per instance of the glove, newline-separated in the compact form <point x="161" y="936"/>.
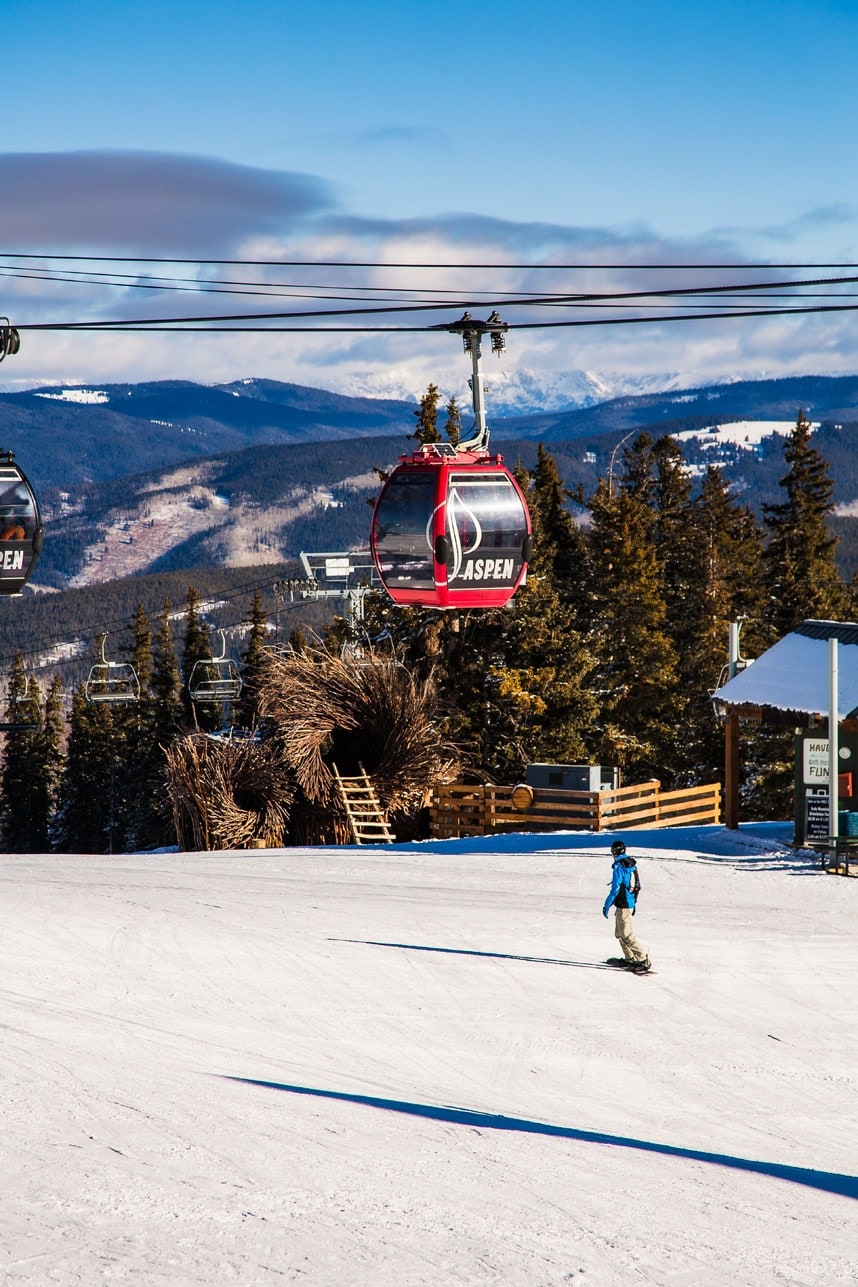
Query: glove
<point x="605" y="912"/>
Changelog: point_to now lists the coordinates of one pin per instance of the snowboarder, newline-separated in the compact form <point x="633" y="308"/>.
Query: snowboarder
<point x="623" y="895"/>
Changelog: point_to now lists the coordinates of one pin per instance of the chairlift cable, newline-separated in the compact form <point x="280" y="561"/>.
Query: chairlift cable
<point x="102" y="627"/>
<point x="655" y="320"/>
<point x="533" y="301"/>
<point x="393" y="294"/>
<point x="622" y="266"/>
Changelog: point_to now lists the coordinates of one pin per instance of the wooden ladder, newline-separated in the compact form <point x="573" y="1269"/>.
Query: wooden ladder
<point x="366" y="817"/>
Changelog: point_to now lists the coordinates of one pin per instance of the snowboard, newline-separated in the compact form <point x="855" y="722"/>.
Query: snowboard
<point x="622" y="964"/>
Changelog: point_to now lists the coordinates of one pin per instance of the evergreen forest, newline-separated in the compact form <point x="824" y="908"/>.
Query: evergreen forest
<point x="606" y="655"/>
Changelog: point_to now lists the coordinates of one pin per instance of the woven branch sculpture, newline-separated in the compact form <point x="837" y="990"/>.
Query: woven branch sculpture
<point x="322" y="709"/>
<point x="227" y="793"/>
<point x="318" y="710"/>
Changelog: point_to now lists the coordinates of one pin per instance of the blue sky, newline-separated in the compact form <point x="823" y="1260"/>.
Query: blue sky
<point x="437" y="130"/>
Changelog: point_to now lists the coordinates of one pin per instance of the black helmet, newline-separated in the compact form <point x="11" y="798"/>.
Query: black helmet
<point x="618" y="848"/>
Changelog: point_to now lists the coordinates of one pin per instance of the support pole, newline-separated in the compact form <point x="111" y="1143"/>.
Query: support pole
<point x="731" y="771"/>
<point x="477" y="392"/>
<point x="472" y="330"/>
<point x="833" y="746"/>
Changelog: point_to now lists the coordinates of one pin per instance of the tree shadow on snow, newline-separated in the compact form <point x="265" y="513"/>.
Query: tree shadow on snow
<point x="467" y="951"/>
<point x="826" y="1181"/>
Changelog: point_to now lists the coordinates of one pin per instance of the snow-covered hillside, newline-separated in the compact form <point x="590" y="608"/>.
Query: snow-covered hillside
<point x="410" y="1067"/>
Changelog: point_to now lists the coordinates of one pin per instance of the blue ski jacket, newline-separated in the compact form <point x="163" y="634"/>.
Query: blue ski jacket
<point x="621" y="893"/>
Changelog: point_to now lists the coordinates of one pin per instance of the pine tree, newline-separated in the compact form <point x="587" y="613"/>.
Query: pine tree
<point x="196" y="648"/>
<point x="536" y="702"/>
<point x="725" y="583"/>
<point x="253" y="662"/>
<point x="48" y="764"/>
<point x="636" y="675"/>
<point x="639" y="470"/>
<point x="155" y="826"/>
<point x="24" y="812"/>
<point x="298" y="639"/>
<point x="134" y="726"/>
<point x="559" y="547"/>
<point x="87" y="819"/>
<point x="166" y="682"/>
<point x="453" y="427"/>
<point x="673" y="535"/>
<point x="802" y="579"/>
<point x="426" y="430"/>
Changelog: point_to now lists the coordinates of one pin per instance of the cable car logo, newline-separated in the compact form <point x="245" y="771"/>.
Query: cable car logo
<point x="458" y="510"/>
<point x="461" y="517"/>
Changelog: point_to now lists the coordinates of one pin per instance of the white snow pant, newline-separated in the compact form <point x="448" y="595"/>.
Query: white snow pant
<point x="632" y="949"/>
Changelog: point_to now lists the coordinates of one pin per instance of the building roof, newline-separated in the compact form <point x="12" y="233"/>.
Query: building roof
<point x="793" y="674"/>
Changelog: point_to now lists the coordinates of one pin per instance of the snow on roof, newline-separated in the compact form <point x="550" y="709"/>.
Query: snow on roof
<point x="793" y="674"/>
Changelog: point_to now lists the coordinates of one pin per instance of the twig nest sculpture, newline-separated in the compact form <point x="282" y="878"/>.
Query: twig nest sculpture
<point x="227" y="792"/>
<point x="369" y="712"/>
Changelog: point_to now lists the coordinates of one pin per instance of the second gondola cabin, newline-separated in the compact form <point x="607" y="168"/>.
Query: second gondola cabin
<point x="451" y="529"/>
<point x="20" y="527"/>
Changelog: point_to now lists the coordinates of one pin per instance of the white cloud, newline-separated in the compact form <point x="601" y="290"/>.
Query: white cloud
<point x="160" y="205"/>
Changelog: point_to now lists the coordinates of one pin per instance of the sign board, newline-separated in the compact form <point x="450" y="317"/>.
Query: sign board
<point x="815" y="760"/>
<point x="817" y="823"/>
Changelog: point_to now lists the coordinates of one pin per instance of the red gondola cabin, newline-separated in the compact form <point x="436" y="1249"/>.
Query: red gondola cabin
<point x="451" y="530"/>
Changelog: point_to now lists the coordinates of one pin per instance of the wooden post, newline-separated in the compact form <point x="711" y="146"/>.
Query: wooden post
<point x="731" y="771"/>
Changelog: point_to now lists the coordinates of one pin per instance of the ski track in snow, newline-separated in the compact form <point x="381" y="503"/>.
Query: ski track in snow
<point x="410" y="1066"/>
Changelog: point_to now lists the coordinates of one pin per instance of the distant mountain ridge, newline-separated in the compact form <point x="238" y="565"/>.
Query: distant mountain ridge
<point x="170" y="474"/>
<point x="520" y="391"/>
<point x="62" y="438"/>
<point x="67" y="436"/>
<point x="821" y="397"/>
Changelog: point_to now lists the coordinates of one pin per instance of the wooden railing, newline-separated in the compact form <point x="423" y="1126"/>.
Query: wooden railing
<point x="480" y="810"/>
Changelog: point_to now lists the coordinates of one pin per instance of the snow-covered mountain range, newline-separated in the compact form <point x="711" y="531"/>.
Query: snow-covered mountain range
<point x="519" y="391"/>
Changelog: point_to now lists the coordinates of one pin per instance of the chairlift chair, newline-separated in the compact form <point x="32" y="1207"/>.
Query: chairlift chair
<point x="23" y="712"/>
<point x="215" y="680"/>
<point x="112" y="681"/>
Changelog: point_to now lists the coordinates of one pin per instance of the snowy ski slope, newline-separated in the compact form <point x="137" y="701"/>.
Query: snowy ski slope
<point x="409" y="1066"/>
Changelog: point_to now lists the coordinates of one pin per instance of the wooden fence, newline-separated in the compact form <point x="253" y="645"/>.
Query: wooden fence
<point x="481" y="810"/>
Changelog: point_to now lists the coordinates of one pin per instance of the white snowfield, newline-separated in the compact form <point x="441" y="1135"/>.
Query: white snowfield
<point x="410" y="1066"/>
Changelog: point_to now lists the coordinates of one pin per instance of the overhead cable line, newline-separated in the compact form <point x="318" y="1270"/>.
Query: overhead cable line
<point x="220" y="329"/>
<point x="513" y="299"/>
<point x="123" y="623"/>
<point x="207" y="322"/>
<point x="267" y="290"/>
<point x="623" y="266"/>
<point x="297" y="290"/>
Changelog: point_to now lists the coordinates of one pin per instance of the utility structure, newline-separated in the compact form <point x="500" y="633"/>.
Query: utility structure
<point x="472" y="330"/>
<point x="345" y="575"/>
<point x="451" y="528"/>
<point x="734" y="665"/>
